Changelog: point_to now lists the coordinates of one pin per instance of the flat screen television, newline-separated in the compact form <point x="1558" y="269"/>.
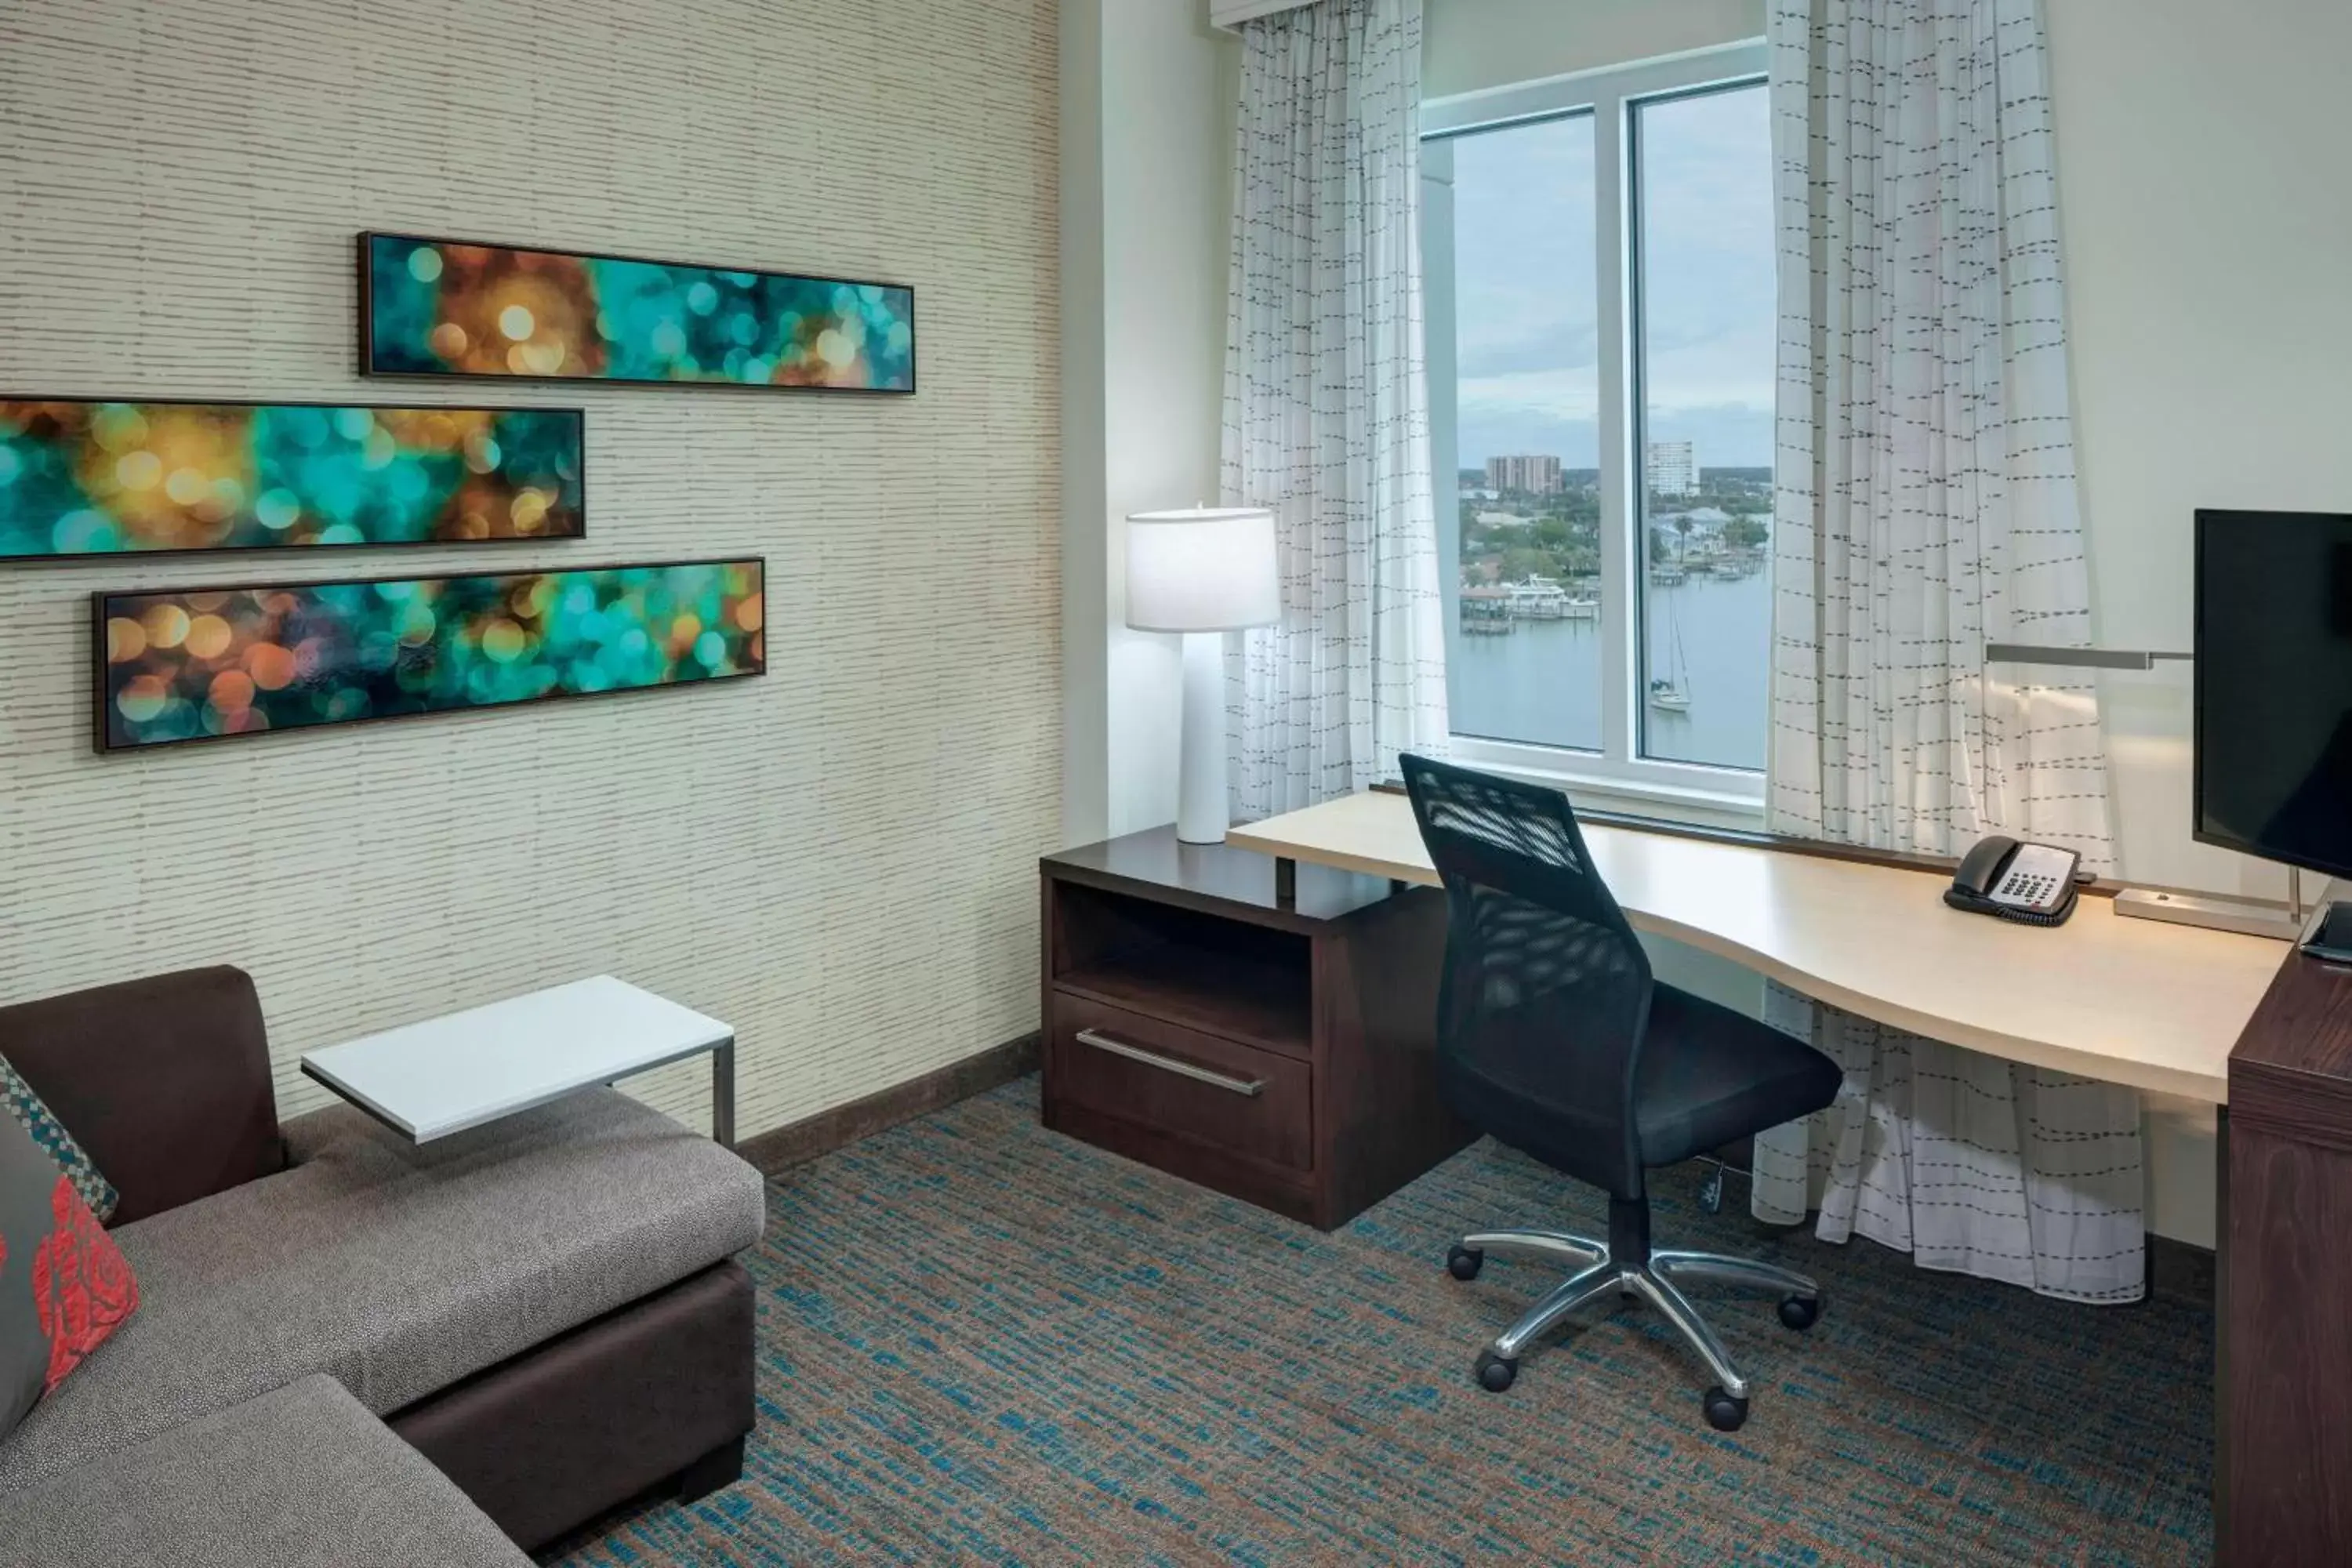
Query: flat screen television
<point x="2273" y="686"/>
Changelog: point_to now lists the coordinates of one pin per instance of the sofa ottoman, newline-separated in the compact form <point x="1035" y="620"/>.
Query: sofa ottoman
<point x="395" y="1268"/>
<point x="299" y="1477"/>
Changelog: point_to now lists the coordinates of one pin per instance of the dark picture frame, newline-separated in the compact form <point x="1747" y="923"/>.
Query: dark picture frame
<point x="577" y="512"/>
<point x="105" y="602"/>
<point x="372" y="363"/>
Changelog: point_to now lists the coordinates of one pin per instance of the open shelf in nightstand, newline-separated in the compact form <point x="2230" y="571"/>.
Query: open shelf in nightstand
<point x="1272" y="1043"/>
<point x="1259" y="1001"/>
<point x="1223" y="977"/>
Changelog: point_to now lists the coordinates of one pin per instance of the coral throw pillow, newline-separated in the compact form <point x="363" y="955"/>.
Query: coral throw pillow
<point x="64" y="1285"/>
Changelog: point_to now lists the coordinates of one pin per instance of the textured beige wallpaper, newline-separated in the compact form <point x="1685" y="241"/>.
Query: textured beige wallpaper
<point x="839" y="857"/>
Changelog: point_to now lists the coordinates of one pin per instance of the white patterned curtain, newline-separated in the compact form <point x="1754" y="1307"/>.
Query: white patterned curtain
<point x="1926" y="506"/>
<point x="1326" y="405"/>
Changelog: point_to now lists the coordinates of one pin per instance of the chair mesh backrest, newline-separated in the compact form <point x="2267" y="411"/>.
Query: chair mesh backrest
<point x="1547" y="990"/>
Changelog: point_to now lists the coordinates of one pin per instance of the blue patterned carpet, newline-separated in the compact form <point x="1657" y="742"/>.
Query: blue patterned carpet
<point x="984" y="1342"/>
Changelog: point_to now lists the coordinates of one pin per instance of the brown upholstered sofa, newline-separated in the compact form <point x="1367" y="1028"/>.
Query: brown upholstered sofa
<point x="547" y="1307"/>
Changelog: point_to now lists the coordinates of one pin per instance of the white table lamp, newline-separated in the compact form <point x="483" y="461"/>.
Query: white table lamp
<point x="1202" y="571"/>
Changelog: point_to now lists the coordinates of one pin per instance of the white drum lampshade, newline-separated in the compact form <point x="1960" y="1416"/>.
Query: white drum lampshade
<point x="1202" y="572"/>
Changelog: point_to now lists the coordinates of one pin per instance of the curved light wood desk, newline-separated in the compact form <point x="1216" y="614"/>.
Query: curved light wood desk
<point x="2152" y="1006"/>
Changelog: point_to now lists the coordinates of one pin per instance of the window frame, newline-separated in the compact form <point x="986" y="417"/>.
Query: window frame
<point x="1618" y="771"/>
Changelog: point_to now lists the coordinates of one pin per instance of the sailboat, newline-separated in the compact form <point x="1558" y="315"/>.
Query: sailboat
<point x="1670" y="693"/>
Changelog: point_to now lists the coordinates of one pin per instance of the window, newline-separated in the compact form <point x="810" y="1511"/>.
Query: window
<point x="1703" y="199"/>
<point x="1598" y="256"/>
<point x="1524" y="653"/>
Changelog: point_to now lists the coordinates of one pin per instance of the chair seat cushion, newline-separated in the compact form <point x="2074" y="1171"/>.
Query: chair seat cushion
<point x="1709" y="1075"/>
<point x="397" y="1269"/>
<point x="299" y="1477"/>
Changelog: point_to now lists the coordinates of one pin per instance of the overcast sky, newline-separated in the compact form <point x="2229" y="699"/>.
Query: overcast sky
<point x="1524" y="284"/>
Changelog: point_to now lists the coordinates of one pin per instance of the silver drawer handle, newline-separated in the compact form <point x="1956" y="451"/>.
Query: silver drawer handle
<point x="1248" y="1086"/>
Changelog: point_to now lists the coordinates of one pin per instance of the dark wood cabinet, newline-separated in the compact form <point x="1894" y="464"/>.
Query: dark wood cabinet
<point x="1277" y="1048"/>
<point x="2283" y="1462"/>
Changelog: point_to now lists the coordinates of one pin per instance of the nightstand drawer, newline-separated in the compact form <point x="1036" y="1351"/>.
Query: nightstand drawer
<point x="1201" y="1088"/>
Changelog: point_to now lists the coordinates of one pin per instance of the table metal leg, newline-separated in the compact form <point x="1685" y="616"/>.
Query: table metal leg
<point x="722" y="1095"/>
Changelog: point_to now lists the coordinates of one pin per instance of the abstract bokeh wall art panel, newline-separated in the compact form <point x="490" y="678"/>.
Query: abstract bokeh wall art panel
<point x="439" y="307"/>
<point x="89" y="476"/>
<point x="191" y="664"/>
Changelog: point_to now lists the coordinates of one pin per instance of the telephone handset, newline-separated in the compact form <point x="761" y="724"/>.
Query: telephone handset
<point x="2032" y="883"/>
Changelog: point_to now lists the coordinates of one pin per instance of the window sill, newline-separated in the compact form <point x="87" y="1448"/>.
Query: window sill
<point x="1667" y="803"/>
<point x="1665" y="792"/>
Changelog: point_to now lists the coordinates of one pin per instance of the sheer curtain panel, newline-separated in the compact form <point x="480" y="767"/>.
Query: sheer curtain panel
<point x="1326" y="409"/>
<point x="1926" y="506"/>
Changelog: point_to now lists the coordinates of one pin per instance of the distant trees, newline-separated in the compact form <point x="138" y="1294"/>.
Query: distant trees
<point x="1558" y="535"/>
<point x="1746" y="532"/>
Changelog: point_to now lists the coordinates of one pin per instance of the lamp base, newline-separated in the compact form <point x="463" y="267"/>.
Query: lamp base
<point x="1201" y="814"/>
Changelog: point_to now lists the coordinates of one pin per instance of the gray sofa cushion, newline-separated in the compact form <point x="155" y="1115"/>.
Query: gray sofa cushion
<point x="394" y="1268"/>
<point x="296" y="1478"/>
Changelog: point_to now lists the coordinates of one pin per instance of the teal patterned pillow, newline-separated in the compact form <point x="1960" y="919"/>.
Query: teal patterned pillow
<point x="58" y="1145"/>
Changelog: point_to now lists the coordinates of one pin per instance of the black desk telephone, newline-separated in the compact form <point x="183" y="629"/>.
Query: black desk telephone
<point x="2032" y="883"/>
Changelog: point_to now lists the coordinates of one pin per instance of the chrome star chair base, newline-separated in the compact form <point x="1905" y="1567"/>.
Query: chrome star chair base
<point x="1630" y="1270"/>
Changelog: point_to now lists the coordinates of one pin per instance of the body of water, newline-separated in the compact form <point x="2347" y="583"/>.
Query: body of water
<point x="1541" y="683"/>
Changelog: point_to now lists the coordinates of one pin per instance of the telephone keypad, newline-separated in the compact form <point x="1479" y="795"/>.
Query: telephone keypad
<point x="2029" y="889"/>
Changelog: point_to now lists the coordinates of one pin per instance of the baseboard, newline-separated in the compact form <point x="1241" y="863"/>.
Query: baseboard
<point x="781" y="1148"/>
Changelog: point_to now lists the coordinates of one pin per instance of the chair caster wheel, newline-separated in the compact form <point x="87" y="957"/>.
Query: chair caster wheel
<point x="1463" y="1262"/>
<point x="1800" y="1312"/>
<point x="1495" y="1372"/>
<point x="1724" y="1412"/>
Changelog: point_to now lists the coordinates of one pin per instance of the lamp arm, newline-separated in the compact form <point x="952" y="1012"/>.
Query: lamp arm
<point x="2078" y="658"/>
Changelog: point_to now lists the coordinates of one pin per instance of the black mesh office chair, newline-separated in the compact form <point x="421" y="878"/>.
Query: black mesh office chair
<point x="1552" y="1037"/>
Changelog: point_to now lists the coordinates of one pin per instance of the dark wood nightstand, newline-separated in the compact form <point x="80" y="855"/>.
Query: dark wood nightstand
<point x="1278" y="1049"/>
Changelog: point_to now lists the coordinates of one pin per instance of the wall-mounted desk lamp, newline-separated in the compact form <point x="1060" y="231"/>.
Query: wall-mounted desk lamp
<point x="2078" y="658"/>
<point x="2250" y="916"/>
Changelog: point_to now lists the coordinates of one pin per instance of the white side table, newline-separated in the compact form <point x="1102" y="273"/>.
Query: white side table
<point x="427" y="1081"/>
